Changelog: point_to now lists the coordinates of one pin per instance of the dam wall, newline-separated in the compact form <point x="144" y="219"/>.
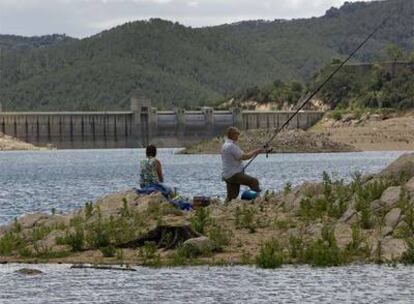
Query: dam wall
<point x="140" y="126"/>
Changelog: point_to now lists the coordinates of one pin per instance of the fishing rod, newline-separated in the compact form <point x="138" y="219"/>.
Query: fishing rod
<point x="316" y="91"/>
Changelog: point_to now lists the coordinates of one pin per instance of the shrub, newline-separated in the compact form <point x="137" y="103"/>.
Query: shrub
<point x="245" y="218"/>
<point x="75" y="240"/>
<point x="408" y="256"/>
<point x="219" y="236"/>
<point x="201" y="219"/>
<point x="149" y="255"/>
<point x="296" y="248"/>
<point x="270" y="256"/>
<point x="324" y="251"/>
<point x="11" y="242"/>
<point x="108" y="251"/>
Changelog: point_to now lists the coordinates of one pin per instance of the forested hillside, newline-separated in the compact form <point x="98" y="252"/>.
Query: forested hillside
<point x="181" y="66"/>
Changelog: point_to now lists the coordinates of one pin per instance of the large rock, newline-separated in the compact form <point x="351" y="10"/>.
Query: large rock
<point x="55" y="220"/>
<point x="29" y="221"/>
<point x="392" y="218"/>
<point x="343" y="234"/>
<point x="403" y="166"/>
<point x="29" y="271"/>
<point x="112" y="204"/>
<point x="391" y="196"/>
<point x="377" y="205"/>
<point x="198" y="246"/>
<point x="350" y="216"/>
<point x="50" y="240"/>
<point x="393" y="248"/>
<point x="409" y="186"/>
<point x="314" y="230"/>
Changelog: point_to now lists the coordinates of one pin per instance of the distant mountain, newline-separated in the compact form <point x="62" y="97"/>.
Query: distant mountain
<point x="176" y="65"/>
<point x="16" y="43"/>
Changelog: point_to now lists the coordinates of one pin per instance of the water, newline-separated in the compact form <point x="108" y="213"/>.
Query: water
<point x="351" y="284"/>
<point x="40" y="181"/>
<point x="66" y="179"/>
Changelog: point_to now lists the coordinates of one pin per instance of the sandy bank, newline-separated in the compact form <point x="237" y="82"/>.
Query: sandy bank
<point x="371" y="133"/>
<point x="9" y="143"/>
<point x="288" y="141"/>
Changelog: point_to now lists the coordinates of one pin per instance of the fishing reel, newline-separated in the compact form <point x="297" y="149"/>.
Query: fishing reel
<point x="267" y="149"/>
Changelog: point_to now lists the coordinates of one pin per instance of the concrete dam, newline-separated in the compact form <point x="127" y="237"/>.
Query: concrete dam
<point x="140" y="126"/>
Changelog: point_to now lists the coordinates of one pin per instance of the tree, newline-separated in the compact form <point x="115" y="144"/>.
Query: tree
<point x="395" y="52"/>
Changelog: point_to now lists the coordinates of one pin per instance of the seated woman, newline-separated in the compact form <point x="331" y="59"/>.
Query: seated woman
<point x="151" y="176"/>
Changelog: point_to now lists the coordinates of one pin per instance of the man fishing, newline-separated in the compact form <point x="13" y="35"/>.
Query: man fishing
<point x="233" y="168"/>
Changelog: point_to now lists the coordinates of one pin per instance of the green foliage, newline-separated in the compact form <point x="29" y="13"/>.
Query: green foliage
<point x="324" y="251"/>
<point x="108" y="251"/>
<point x="88" y="209"/>
<point x="363" y="89"/>
<point x="245" y="217"/>
<point x="408" y="256"/>
<point x="189" y="67"/>
<point x="38" y="233"/>
<point x="149" y="255"/>
<point x="332" y="202"/>
<point x="287" y="189"/>
<point x="364" y="195"/>
<point x="296" y="247"/>
<point x="125" y="208"/>
<point x="220" y="236"/>
<point x="76" y="239"/>
<point x="201" y="219"/>
<point x="246" y="258"/>
<point x="10" y="242"/>
<point x="270" y="255"/>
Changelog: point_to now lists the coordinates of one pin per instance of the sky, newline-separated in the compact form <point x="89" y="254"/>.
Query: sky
<point x="82" y="18"/>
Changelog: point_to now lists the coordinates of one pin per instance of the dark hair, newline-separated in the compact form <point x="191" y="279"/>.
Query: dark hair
<point x="151" y="151"/>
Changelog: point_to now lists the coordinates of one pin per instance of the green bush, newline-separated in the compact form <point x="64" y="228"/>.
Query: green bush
<point x="270" y="255"/>
<point x="324" y="251"/>
<point x="11" y="242"/>
<point x="245" y="218"/>
<point x="108" y="251"/>
<point x="219" y="236"/>
<point x="408" y="256"/>
<point x="201" y="219"/>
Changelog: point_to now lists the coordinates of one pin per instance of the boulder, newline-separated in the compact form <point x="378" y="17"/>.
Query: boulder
<point x="29" y="221"/>
<point x="55" y="220"/>
<point x="377" y="205"/>
<point x="409" y="186"/>
<point x="391" y="196"/>
<point x="387" y="230"/>
<point x="343" y="234"/>
<point x="198" y="246"/>
<point x="393" y="248"/>
<point x="29" y="271"/>
<point x="50" y="240"/>
<point x="392" y="218"/>
<point x="350" y="216"/>
<point x="314" y="230"/>
<point x="403" y="166"/>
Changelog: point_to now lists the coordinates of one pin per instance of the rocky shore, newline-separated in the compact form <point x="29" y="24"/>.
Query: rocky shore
<point x="371" y="131"/>
<point x="288" y="141"/>
<point x="9" y="143"/>
<point x="370" y="219"/>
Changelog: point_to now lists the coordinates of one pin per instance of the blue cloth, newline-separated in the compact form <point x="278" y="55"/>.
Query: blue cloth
<point x="156" y="187"/>
<point x="182" y="204"/>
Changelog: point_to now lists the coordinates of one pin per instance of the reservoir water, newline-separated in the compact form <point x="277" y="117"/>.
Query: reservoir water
<point x="65" y="180"/>
<point x="351" y="284"/>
